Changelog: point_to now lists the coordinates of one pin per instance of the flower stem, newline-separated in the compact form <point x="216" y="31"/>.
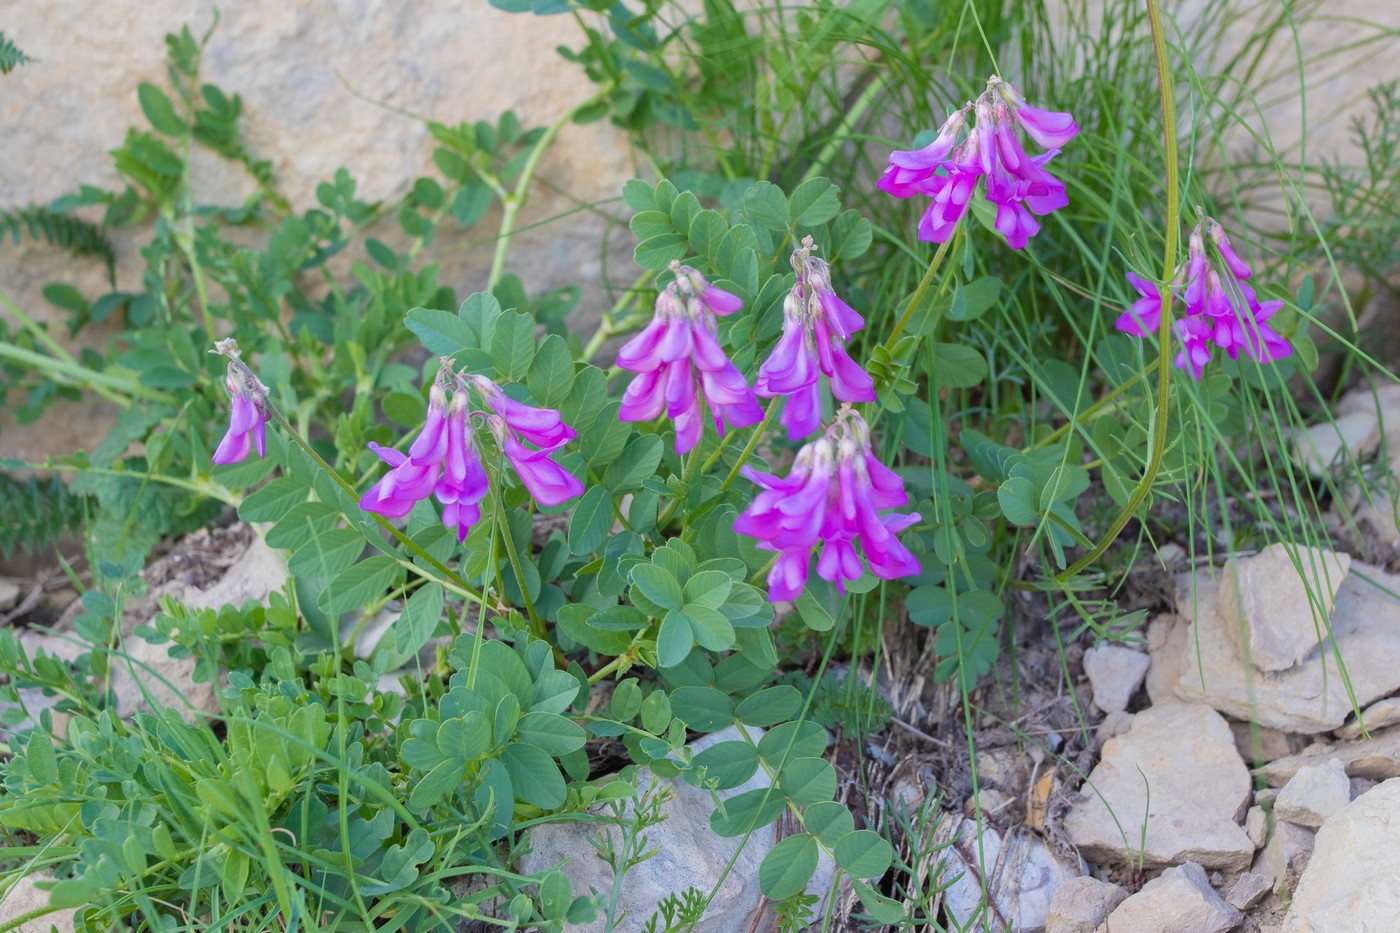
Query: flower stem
<point x="748" y="448"/>
<point x="512" y="204"/>
<point x="687" y="477"/>
<point x="922" y="287"/>
<point x="1164" y="330"/>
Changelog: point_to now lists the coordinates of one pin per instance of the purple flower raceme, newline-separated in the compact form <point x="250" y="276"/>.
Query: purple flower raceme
<point x="247" y="423"/>
<point x="444" y="461"/>
<point x="831" y="499"/>
<point x="1221" y="310"/>
<point x="681" y="368"/>
<point x="816" y="326"/>
<point x="947" y="170"/>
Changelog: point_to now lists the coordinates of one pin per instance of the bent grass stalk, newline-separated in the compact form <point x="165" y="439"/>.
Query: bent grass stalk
<point x="1164" y="330"/>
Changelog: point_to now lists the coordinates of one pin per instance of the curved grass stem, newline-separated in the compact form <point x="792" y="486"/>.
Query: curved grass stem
<point x="1164" y="330"/>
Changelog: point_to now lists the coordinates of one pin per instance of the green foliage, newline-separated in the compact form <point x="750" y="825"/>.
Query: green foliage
<point x="37" y="513"/>
<point x="10" y="55"/>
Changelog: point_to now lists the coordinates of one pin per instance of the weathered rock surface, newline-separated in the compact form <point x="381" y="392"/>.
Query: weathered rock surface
<point x="9" y="594"/>
<point x="688" y="854"/>
<point x="147" y="677"/>
<point x="1115" y="673"/>
<point x="24" y="897"/>
<point x="1311" y="697"/>
<point x="1167" y="637"/>
<point x="1377" y="716"/>
<point x="1177" y="767"/>
<point x="1314" y="794"/>
<point x="1377" y="758"/>
<point x="1350" y="884"/>
<point x="1282" y="597"/>
<point x="1286" y="855"/>
<point x="1247" y="890"/>
<point x="1256" y="826"/>
<point x="1022" y="876"/>
<point x="1324" y="447"/>
<point x="1082" y="904"/>
<point x="1180" y="900"/>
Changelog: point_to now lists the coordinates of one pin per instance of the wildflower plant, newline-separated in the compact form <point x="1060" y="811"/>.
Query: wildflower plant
<point x="521" y="567"/>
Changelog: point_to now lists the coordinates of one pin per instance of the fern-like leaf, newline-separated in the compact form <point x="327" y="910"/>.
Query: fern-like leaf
<point x="62" y="230"/>
<point x="10" y="56"/>
<point x="35" y="513"/>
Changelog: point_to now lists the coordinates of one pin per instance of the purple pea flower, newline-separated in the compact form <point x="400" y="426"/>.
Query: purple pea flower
<point x="1220" y="309"/>
<point x="947" y="171"/>
<point x="445" y="462"/>
<point x="831" y="499"/>
<point x="816" y="326"/>
<point x="681" y="368"/>
<point x="247" y="423"/>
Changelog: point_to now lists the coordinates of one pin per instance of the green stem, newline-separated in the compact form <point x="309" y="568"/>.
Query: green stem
<point x="922" y="287"/>
<point x="1087" y="414"/>
<point x="687" y="477"/>
<point x="838" y="137"/>
<point x="512" y="204"/>
<point x="748" y="448"/>
<point x="108" y="387"/>
<point x="1164" y="330"/>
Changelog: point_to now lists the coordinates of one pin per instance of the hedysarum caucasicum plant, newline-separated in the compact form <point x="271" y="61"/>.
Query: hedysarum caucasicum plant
<point x="445" y="460"/>
<point x="948" y="169"/>
<point x="830" y="500"/>
<point x="1221" y="310"/>
<point x="681" y="368"/>
<point x="816" y="326"/>
<point x="247" y="423"/>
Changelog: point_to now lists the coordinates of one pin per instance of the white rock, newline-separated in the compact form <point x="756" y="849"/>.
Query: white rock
<point x="1021" y="875"/>
<point x="1256" y="826"/>
<point x="688" y="853"/>
<point x="1113" y="724"/>
<point x="1180" y="900"/>
<point x="1312" y="697"/>
<point x="1332" y="445"/>
<point x="24" y="898"/>
<point x="1285" y="856"/>
<point x="1258" y="743"/>
<point x="1314" y="794"/>
<point x="1167" y="639"/>
<point x="1377" y="716"/>
<point x="1115" y="673"/>
<point x="1377" y="758"/>
<point x="9" y="594"/>
<point x="254" y="575"/>
<point x="147" y="677"/>
<point x="1350" y="884"/>
<point x="1283" y="598"/>
<point x="1247" y="890"/>
<point x="1081" y="904"/>
<point x="1177" y="768"/>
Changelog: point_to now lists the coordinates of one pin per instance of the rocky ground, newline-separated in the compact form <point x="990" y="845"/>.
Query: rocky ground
<point x="1212" y="776"/>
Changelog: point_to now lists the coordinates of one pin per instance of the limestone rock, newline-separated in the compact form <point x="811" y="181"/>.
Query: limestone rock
<point x="1377" y="758"/>
<point x="1350" y="882"/>
<point x="147" y="677"/>
<point x="1167" y="639"/>
<point x="1314" y="794"/>
<point x="1286" y="855"/>
<point x="688" y="854"/>
<point x="1180" y="900"/>
<point x="1082" y="904"/>
<point x="1022" y="875"/>
<point x="1283" y="598"/>
<point x="1331" y="445"/>
<point x="1258" y="743"/>
<point x="1256" y="826"/>
<point x="1199" y="789"/>
<point x="1247" y="890"/>
<point x="255" y="574"/>
<point x="1311" y="697"/>
<point x="1113" y="724"/>
<point x="1378" y="715"/>
<point x="1115" y="673"/>
<point x="23" y="897"/>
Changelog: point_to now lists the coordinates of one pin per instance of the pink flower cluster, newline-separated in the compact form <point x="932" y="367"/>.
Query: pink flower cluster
<point x="681" y="367"/>
<point x="445" y="462"/>
<point x="948" y="169"/>
<point x="247" y="423"/>
<point x="1221" y="310"/>
<point x="816" y="326"/>
<point x="831" y="499"/>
